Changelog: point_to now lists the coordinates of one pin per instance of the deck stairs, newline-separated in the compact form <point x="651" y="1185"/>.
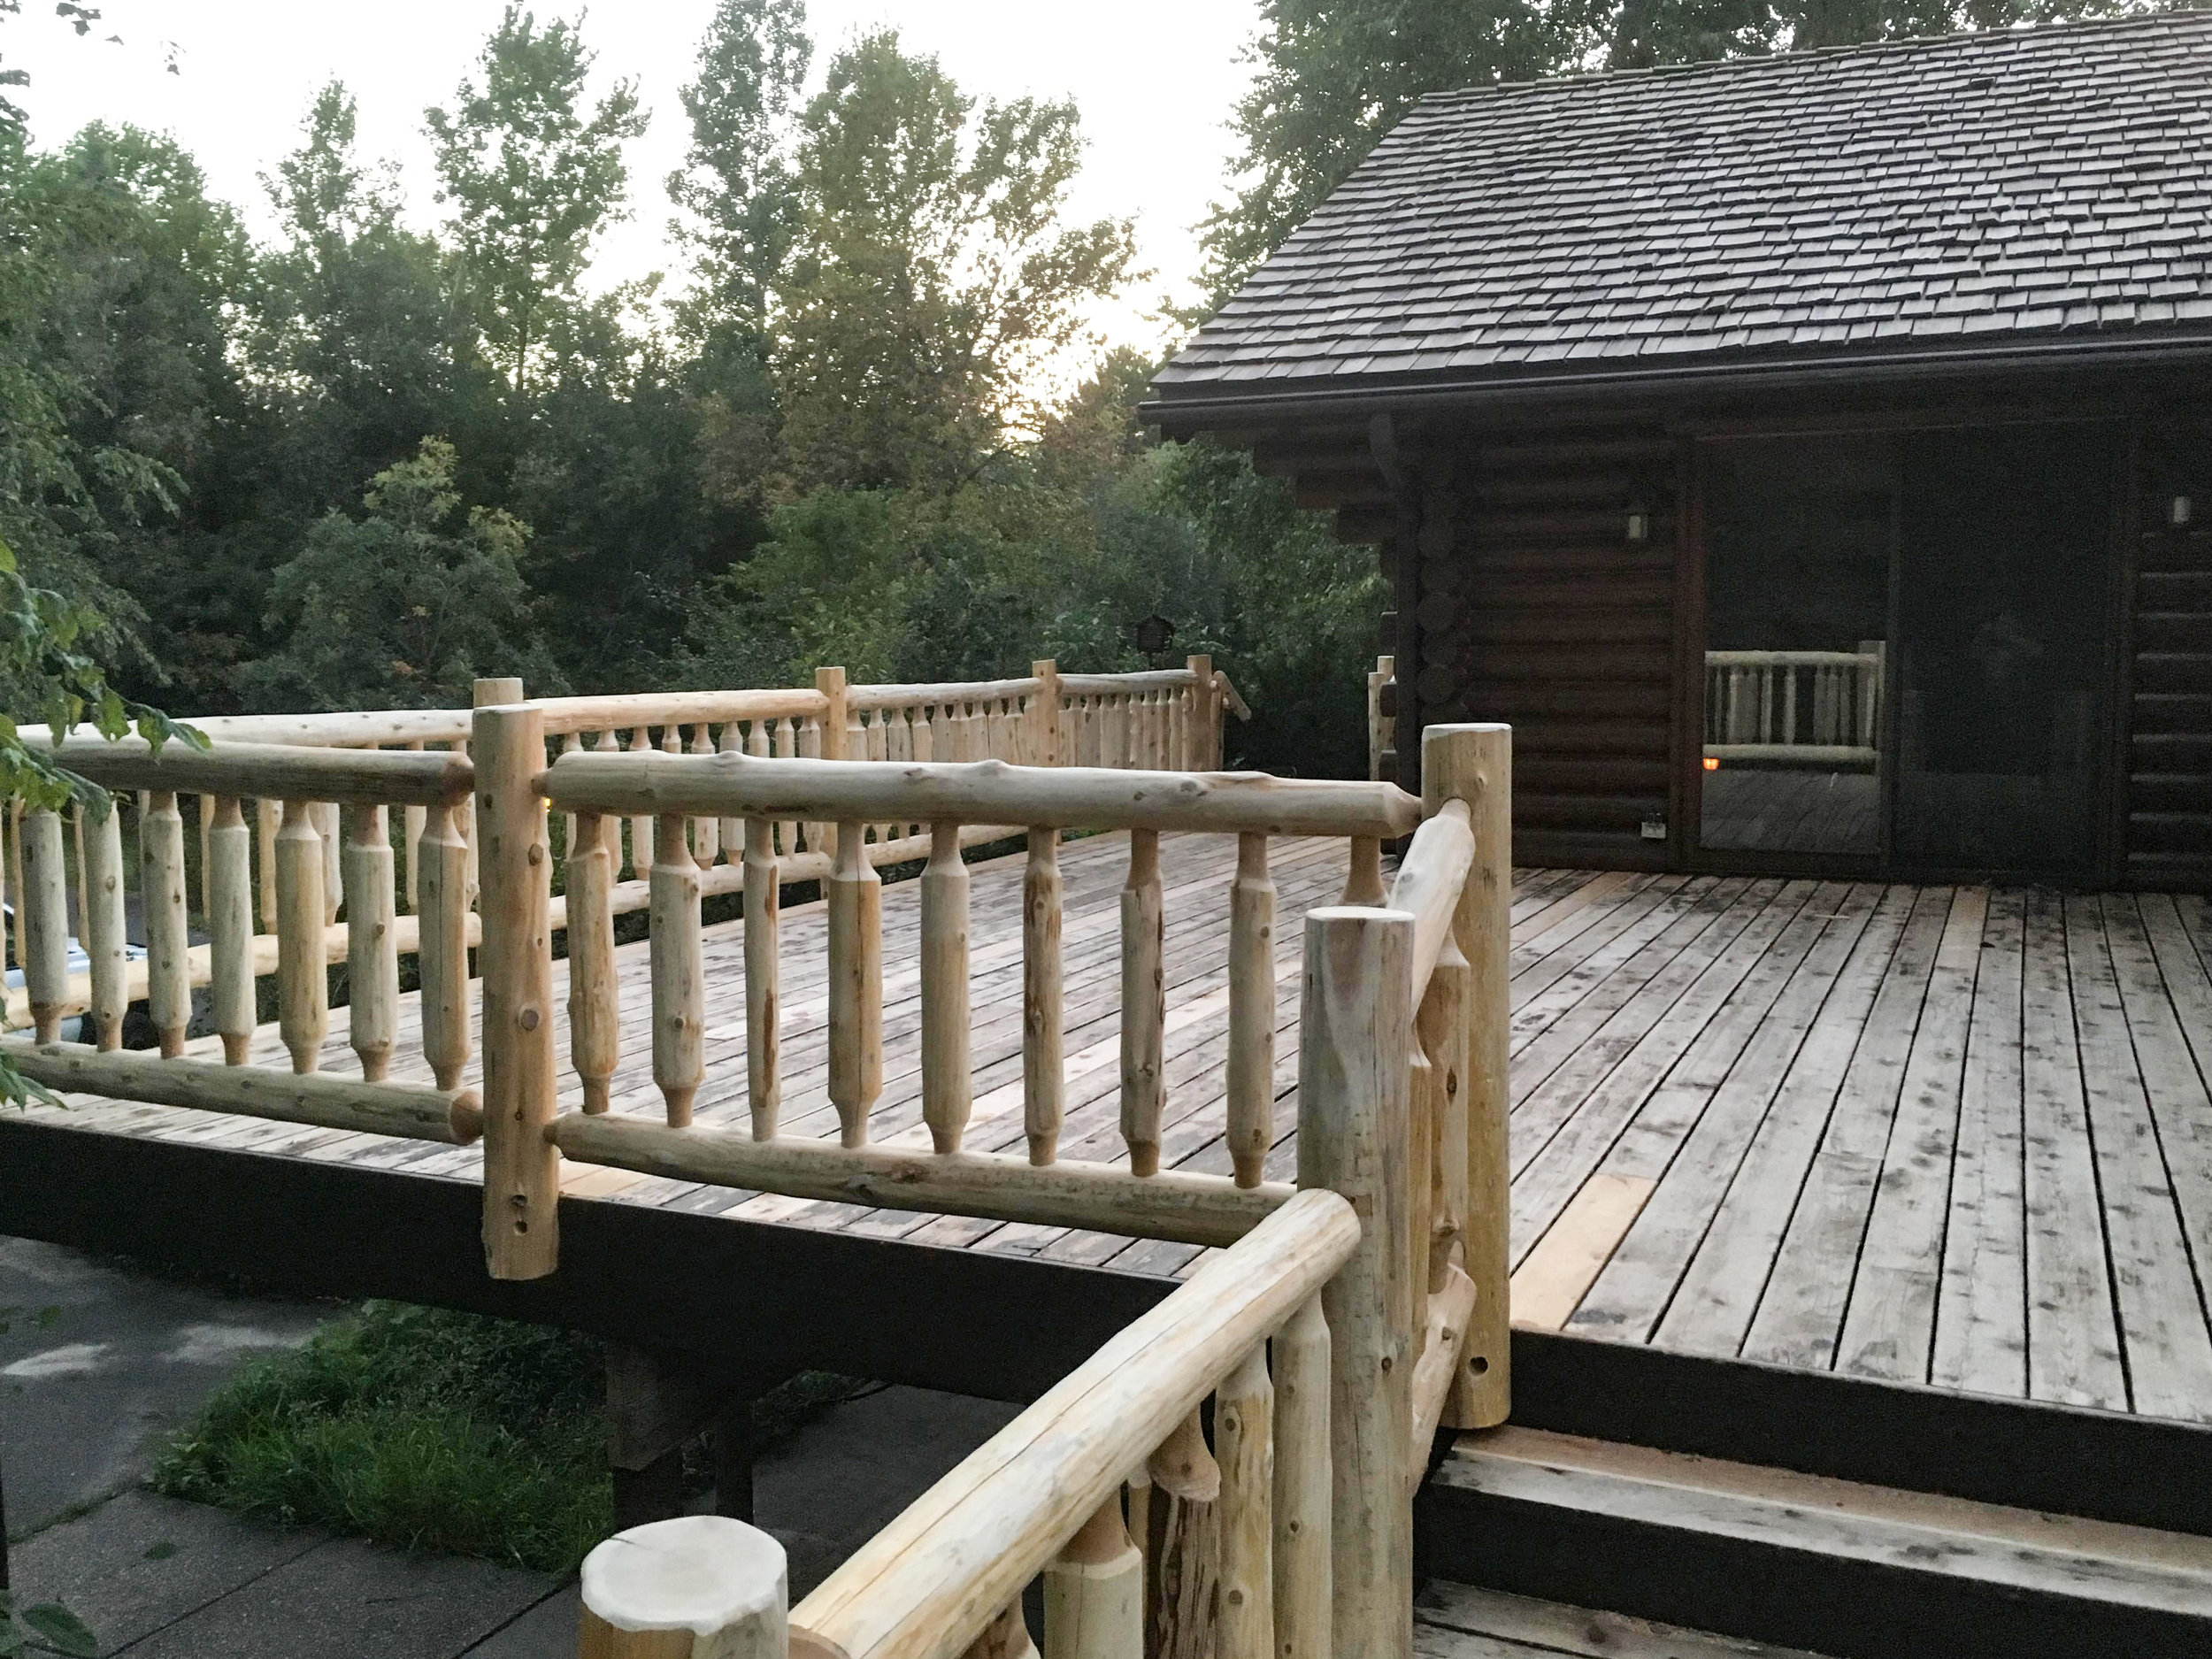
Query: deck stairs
<point x="1534" y="1541"/>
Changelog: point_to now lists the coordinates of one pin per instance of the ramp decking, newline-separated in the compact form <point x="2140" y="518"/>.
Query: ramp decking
<point x="1955" y="1136"/>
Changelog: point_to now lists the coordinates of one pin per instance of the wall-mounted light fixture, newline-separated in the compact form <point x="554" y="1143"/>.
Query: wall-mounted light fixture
<point x="2180" y="511"/>
<point x="1639" y="522"/>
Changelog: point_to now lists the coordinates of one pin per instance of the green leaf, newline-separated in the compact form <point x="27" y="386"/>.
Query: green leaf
<point x="61" y="1629"/>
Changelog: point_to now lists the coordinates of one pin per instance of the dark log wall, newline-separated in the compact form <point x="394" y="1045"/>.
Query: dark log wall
<point x="2168" y="708"/>
<point x="1534" y="607"/>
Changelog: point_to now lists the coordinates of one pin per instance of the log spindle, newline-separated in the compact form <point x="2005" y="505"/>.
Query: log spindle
<point x="1005" y="1637"/>
<point x="1143" y="1004"/>
<point x="1094" y="1592"/>
<point x="1182" y="1550"/>
<point x="855" y="987"/>
<point x="641" y="826"/>
<point x="763" y="993"/>
<point x="1244" y="1444"/>
<point x="706" y="833"/>
<point x="1363" y="875"/>
<point x="372" y="950"/>
<point x="595" y="996"/>
<point x="441" y="861"/>
<point x="104" y="939"/>
<point x="168" y="927"/>
<point x="411" y="821"/>
<point x="570" y="744"/>
<point x="948" y="1088"/>
<point x="679" y="973"/>
<point x="230" y="928"/>
<point x="324" y="816"/>
<point x="267" y="815"/>
<point x="1443" y="1033"/>
<point x="729" y="832"/>
<point x="1474" y="763"/>
<point x="1303" y="1603"/>
<point x="43" y="920"/>
<point x="303" y="981"/>
<point x="1251" y="1105"/>
<point x="1043" y="1071"/>
<point x="1355" y="1027"/>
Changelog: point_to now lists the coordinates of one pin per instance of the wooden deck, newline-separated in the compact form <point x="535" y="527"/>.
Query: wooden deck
<point x="1958" y="1136"/>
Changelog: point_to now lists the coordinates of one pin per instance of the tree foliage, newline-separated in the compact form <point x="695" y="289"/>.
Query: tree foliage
<point x="532" y="179"/>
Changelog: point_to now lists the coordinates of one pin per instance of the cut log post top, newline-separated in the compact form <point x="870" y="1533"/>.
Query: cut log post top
<point x="977" y="792"/>
<point x="701" y="1586"/>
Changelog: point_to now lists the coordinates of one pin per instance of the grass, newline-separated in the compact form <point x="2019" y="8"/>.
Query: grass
<point x="430" y="1431"/>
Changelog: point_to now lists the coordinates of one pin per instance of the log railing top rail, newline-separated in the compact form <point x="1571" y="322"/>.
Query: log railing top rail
<point x="925" y="1585"/>
<point x="275" y="771"/>
<point x="987" y="792"/>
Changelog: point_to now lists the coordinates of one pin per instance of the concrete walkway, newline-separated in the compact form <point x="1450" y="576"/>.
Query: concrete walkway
<point x="87" y="1392"/>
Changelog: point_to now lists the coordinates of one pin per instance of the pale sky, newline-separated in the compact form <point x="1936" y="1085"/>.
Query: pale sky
<point x="1154" y="81"/>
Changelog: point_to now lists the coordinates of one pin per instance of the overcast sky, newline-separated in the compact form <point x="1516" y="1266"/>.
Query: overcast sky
<point x="1154" y="81"/>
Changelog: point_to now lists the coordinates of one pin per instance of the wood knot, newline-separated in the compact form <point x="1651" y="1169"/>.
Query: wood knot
<point x="527" y="1019"/>
<point x="537" y="854"/>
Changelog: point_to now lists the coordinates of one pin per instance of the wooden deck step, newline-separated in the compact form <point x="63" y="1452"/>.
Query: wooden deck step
<point x="1457" y="1621"/>
<point x="1834" y="1566"/>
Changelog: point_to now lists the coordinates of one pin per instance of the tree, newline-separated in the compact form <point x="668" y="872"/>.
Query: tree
<point x="932" y="274"/>
<point x="531" y="180"/>
<point x="736" y="187"/>
<point x="405" y="608"/>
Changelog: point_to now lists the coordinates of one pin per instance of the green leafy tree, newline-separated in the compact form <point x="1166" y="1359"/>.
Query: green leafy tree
<point x="737" y="188"/>
<point x="404" y="608"/>
<point x="932" y="273"/>
<point x="531" y="179"/>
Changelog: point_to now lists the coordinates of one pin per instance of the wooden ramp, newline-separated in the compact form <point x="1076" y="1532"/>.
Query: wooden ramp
<point x="1951" y="1136"/>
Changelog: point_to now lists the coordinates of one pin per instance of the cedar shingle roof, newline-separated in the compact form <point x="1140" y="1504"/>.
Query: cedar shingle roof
<point x="1970" y="190"/>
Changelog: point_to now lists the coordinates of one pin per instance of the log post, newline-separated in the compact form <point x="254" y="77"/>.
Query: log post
<point x="706" y="833"/>
<point x="521" y="1174"/>
<point x="1200" y="736"/>
<point x="1474" y="763"/>
<point x="679" y="974"/>
<point x="1043" y="1073"/>
<point x="1094" y="1592"/>
<point x="701" y="1586"/>
<point x="1443" y="1024"/>
<point x="855" y="987"/>
<point x="104" y="938"/>
<point x="371" y="951"/>
<point x="412" y="820"/>
<point x="1005" y="1637"/>
<point x="230" y="928"/>
<point x="1143" y="1005"/>
<point x="1244" y="1444"/>
<point x="947" y="1087"/>
<point x="595" y="992"/>
<point x="1044" y="715"/>
<point x="730" y="831"/>
<point x="830" y="683"/>
<point x="1354" y="1068"/>
<point x="302" y="980"/>
<point x="441" y="895"/>
<point x="763" y="995"/>
<point x="168" y="927"/>
<point x="1251" y="1105"/>
<point x="1182" y="1550"/>
<point x="1304" y="1600"/>
<point x="43" y="920"/>
<point x="1378" y="724"/>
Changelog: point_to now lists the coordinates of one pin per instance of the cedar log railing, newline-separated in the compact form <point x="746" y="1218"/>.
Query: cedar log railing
<point x="1345" y="1318"/>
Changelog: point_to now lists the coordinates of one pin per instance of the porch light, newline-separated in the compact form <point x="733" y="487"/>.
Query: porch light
<point x="1638" y="522"/>
<point x="2180" y="511"/>
<point x="1712" y="763"/>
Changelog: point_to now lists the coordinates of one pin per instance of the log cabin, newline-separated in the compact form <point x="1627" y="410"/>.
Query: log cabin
<point x="1810" y="457"/>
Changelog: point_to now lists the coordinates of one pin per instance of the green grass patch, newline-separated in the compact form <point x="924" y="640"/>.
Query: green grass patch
<point x="430" y="1431"/>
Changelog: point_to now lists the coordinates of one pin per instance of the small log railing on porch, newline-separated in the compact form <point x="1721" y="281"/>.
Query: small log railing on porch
<point x="1800" y="707"/>
<point x="1346" y="1316"/>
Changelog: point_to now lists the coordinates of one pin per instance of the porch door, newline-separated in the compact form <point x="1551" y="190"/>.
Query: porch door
<point x="2003" y="598"/>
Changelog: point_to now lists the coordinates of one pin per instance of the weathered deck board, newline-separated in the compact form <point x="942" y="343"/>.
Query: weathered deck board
<point x="1961" y="1137"/>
